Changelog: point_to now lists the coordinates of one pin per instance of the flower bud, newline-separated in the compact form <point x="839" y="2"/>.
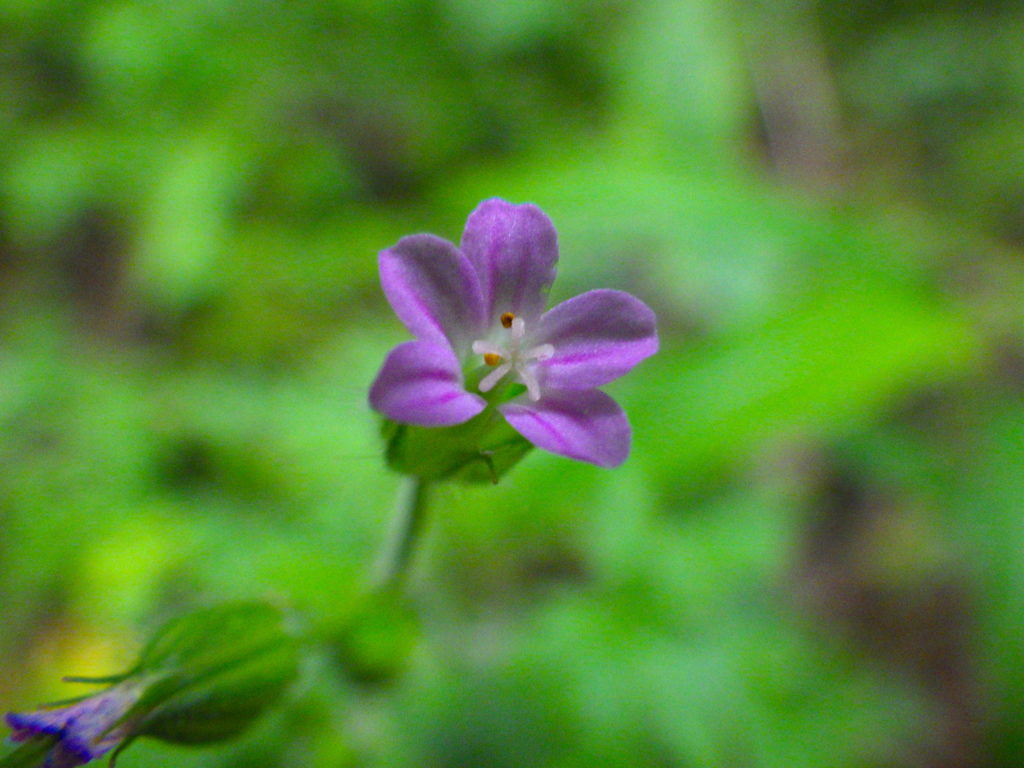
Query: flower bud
<point x="203" y="677"/>
<point x="73" y="735"/>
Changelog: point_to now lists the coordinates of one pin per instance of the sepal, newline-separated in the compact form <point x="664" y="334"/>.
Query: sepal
<point x="215" y="671"/>
<point x="481" y="450"/>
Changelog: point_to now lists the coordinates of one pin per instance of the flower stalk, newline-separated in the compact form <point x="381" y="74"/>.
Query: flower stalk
<point x="407" y="525"/>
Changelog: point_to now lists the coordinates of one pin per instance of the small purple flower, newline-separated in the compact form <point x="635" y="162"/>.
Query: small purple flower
<point x="84" y="731"/>
<point x="477" y="313"/>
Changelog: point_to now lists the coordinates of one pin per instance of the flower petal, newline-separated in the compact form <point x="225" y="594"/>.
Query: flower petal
<point x="421" y="383"/>
<point x="598" y="336"/>
<point x="514" y="249"/>
<point x="87" y="729"/>
<point x="587" y="426"/>
<point x="433" y="289"/>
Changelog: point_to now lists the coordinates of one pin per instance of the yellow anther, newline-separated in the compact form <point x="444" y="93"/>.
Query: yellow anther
<point x="492" y="359"/>
<point x="507" y="318"/>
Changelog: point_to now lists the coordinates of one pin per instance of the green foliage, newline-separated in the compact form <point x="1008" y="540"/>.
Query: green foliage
<point x="372" y="645"/>
<point x="812" y="555"/>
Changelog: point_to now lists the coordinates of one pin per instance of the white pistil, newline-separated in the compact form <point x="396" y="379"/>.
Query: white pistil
<point x="513" y="358"/>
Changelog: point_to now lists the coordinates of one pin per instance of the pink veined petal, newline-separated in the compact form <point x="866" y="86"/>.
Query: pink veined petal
<point x="421" y="383"/>
<point x="514" y="249"/>
<point x="597" y="336"/>
<point x="433" y="289"/>
<point x="587" y="426"/>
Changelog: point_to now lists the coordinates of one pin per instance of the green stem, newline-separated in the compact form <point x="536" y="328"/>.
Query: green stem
<point x="408" y="522"/>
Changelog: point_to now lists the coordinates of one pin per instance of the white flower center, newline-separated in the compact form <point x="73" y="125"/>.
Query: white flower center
<point x="511" y="357"/>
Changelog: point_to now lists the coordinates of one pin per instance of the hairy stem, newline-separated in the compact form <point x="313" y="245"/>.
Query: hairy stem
<point x="408" y="522"/>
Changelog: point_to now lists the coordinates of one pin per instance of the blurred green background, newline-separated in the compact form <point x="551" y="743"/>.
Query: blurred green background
<point x="814" y="556"/>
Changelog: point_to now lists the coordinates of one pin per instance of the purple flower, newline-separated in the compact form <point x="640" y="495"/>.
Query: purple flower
<point x="83" y="731"/>
<point x="477" y="313"/>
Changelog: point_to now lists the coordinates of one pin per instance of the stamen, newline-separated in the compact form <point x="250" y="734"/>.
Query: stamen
<point x="492" y="378"/>
<point x="486" y="348"/>
<point x="510" y="357"/>
<point x="543" y="352"/>
<point x="530" y="381"/>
